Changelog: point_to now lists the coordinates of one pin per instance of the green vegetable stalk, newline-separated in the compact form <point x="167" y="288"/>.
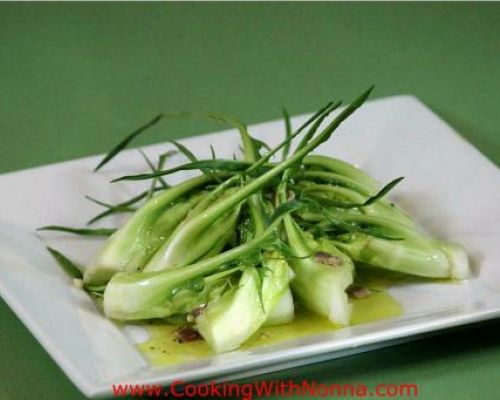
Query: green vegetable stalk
<point x="416" y="255"/>
<point x="174" y="253"/>
<point x="142" y="295"/>
<point x="230" y="320"/>
<point x="386" y="243"/>
<point x="342" y="168"/>
<point x="131" y="246"/>
<point x="322" y="275"/>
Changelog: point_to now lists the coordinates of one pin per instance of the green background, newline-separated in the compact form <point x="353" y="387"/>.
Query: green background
<point x="74" y="78"/>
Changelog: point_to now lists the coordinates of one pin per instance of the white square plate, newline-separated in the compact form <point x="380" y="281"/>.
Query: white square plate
<point x="450" y="189"/>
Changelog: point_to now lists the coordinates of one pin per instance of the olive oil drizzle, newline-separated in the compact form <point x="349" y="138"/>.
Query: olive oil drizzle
<point x="162" y="348"/>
